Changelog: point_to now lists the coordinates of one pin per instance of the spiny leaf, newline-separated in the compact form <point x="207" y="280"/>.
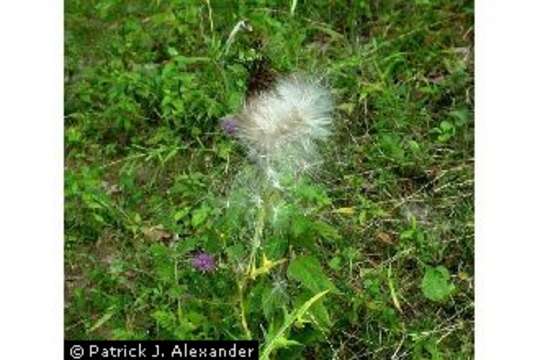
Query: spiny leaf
<point x="277" y="340"/>
<point x="308" y="271"/>
<point x="272" y="300"/>
<point x="265" y="267"/>
<point x="317" y="314"/>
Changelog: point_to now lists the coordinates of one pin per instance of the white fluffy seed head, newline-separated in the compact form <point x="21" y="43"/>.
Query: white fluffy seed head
<point x="281" y="127"/>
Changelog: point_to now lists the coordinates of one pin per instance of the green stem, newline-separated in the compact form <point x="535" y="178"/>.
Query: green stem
<point x="242" y="309"/>
<point x="256" y="241"/>
<point x="242" y="285"/>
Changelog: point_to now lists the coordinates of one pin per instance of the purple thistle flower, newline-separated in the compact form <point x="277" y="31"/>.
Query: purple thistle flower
<point x="229" y="125"/>
<point x="203" y="262"/>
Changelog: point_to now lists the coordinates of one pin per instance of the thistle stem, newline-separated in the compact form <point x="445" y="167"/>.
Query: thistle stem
<point x="256" y="241"/>
<point x="242" y="285"/>
<point x="242" y="309"/>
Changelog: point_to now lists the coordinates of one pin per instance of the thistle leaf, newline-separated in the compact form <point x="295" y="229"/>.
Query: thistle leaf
<point x="308" y="271"/>
<point x="278" y="340"/>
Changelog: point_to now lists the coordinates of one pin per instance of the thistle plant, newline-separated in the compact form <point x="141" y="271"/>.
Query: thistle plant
<point x="281" y="130"/>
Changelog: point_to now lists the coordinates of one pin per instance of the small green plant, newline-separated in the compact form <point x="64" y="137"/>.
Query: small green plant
<point x="436" y="285"/>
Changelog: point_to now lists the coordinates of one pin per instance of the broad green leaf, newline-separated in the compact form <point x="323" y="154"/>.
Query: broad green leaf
<point x="461" y="116"/>
<point x="436" y="284"/>
<point x="199" y="216"/>
<point x="335" y="263"/>
<point x="446" y="126"/>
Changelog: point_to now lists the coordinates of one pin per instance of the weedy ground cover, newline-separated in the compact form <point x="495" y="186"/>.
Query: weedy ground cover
<point x="369" y="257"/>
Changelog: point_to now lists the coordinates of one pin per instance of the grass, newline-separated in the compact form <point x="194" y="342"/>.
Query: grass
<point x="386" y="225"/>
